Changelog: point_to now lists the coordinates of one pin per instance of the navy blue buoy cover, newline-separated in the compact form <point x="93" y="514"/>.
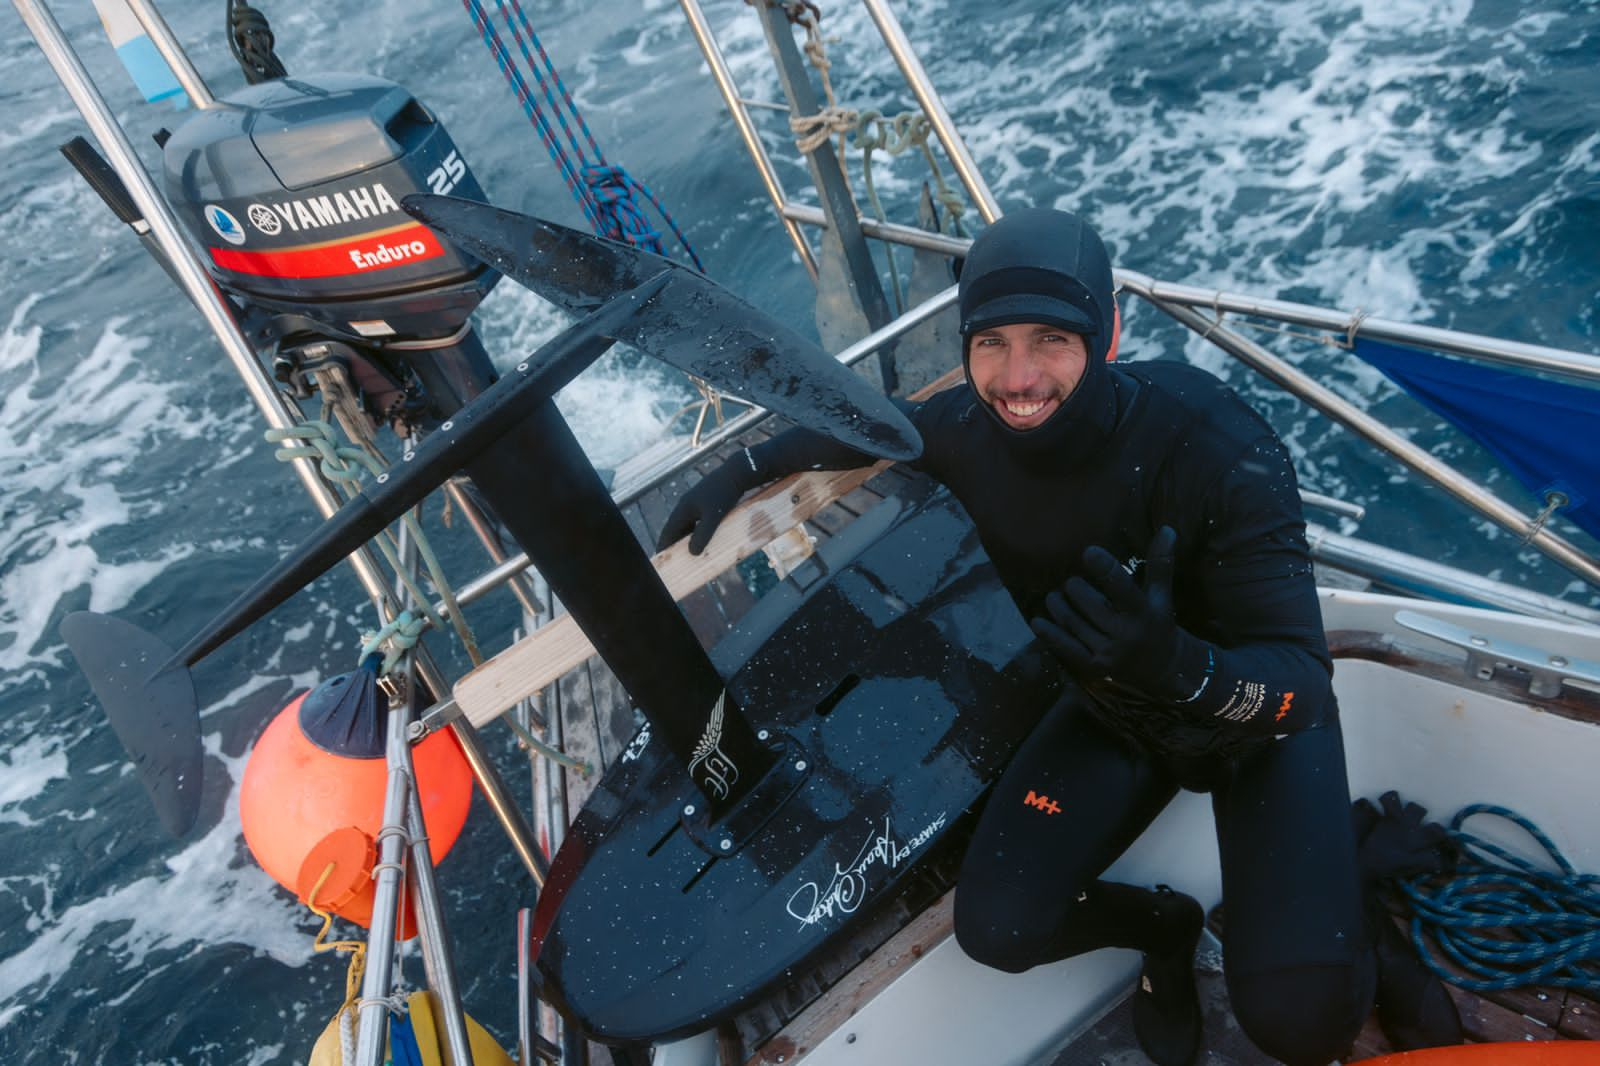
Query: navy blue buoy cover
<point x="347" y="715"/>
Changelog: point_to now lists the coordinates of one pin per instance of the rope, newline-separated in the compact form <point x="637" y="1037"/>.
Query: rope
<point x="539" y="747"/>
<point x="867" y="130"/>
<point x="1506" y="921"/>
<point x="400" y="633"/>
<point x="605" y="193"/>
<point x="353" y="974"/>
<point x="344" y="466"/>
<point x="251" y="40"/>
<point x="812" y="131"/>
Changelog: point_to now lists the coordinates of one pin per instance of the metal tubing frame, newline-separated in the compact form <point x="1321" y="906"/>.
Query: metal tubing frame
<point x="1578" y="365"/>
<point x="491" y="541"/>
<point x="1489" y="349"/>
<point x="529" y="1042"/>
<point x="1400" y="570"/>
<point x="372" y="1029"/>
<point x="928" y="98"/>
<point x="166" y="43"/>
<point x="829" y="179"/>
<point x="1353" y="418"/>
<point x="723" y="76"/>
<point x="275" y="409"/>
<point x="525" y="1009"/>
<point x="892" y="232"/>
<point x="438" y="959"/>
<point x="495" y="793"/>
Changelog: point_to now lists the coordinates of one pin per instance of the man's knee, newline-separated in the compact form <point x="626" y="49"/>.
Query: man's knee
<point x="1304" y="1015"/>
<point x="995" y="936"/>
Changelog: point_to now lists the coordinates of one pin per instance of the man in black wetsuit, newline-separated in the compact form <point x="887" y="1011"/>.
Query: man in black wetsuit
<point x="1148" y="523"/>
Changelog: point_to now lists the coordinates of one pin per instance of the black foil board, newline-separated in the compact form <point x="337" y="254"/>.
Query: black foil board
<point x="895" y="667"/>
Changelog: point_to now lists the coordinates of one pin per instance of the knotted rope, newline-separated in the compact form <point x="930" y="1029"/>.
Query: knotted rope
<point x="251" y="40"/>
<point x="344" y="466"/>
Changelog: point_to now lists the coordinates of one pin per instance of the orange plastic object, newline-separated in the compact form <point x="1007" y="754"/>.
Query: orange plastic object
<point x="1520" y="1053"/>
<point x="303" y="808"/>
<point x="347" y="856"/>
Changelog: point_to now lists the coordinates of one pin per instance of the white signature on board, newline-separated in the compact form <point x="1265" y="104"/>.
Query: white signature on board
<point x="843" y="894"/>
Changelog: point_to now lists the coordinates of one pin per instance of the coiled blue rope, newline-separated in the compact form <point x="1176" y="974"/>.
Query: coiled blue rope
<point x="606" y="193"/>
<point x="1506" y="921"/>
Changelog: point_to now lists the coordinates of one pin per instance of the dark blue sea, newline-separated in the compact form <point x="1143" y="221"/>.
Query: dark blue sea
<point x="1432" y="160"/>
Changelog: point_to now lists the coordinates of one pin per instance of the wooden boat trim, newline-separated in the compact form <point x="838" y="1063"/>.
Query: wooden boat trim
<point x="1387" y="650"/>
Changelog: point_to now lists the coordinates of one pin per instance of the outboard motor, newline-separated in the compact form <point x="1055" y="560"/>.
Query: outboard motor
<point x="293" y="189"/>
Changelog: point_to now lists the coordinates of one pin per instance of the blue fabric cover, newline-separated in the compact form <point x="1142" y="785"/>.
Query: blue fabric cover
<point x="403" y="1049"/>
<point x="1546" y="432"/>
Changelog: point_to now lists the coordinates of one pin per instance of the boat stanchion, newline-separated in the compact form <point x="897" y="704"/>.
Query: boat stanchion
<point x="505" y="809"/>
<point x="828" y="176"/>
<point x="389" y="873"/>
<point x="1324" y="399"/>
<point x="526" y="1010"/>
<point x="438" y="959"/>
<point x="531" y="1044"/>
<point x="894" y="36"/>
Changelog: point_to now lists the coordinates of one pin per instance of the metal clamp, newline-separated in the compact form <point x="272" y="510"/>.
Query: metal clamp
<point x="433" y="719"/>
<point x="393" y="685"/>
<point x="1486" y="656"/>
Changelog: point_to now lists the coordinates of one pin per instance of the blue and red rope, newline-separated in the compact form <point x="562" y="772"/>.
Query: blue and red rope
<point x="606" y="193"/>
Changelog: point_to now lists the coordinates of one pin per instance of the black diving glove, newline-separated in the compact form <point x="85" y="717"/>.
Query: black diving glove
<point x="1398" y="841"/>
<point x="703" y="507"/>
<point x="1103" y="625"/>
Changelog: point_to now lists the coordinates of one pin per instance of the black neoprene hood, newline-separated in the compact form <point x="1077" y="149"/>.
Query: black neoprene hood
<point x="1039" y="265"/>
<point x="1050" y="267"/>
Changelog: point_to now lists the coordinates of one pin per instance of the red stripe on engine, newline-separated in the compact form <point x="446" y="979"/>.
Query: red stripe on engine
<point x="363" y="255"/>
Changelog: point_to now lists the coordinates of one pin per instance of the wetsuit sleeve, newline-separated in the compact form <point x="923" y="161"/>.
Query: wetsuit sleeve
<point x="795" y="450"/>
<point x="1261" y="665"/>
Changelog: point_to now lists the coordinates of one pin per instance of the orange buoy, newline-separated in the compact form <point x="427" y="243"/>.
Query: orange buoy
<point x="1520" y="1053"/>
<point x="311" y="801"/>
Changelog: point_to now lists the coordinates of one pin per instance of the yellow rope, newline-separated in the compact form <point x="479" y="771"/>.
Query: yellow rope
<point x="356" y="948"/>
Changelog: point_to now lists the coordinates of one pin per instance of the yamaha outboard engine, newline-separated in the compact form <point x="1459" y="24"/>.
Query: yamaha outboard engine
<point x="293" y="189"/>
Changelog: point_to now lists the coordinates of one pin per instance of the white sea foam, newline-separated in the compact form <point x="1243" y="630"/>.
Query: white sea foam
<point x="202" y="899"/>
<point x="26" y="769"/>
<point x="65" y="440"/>
<point x="618" y="407"/>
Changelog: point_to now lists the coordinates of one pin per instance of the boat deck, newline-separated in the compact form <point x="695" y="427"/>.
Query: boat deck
<point x="598" y="720"/>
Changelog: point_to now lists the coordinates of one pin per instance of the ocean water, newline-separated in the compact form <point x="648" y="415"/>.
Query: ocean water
<point x="1436" y="160"/>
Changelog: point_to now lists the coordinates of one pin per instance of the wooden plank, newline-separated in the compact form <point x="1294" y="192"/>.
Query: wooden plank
<point x="1510" y="1015"/>
<point x="1486" y="1021"/>
<point x="540" y="658"/>
<point x="900" y="952"/>
<point x="1539" y="1005"/>
<point x="1580" y="1019"/>
<point x="613" y="711"/>
<point x="734" y="596"/>
<point x="637" y="523"/>
<point x="860" y="500"/>
<point x="579" y="732"/>
<point x="653" y="508"/>
<point x="832" y="518"/>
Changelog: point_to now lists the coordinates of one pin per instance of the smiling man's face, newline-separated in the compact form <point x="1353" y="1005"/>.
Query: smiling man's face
<point x="1025" y="371"/>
